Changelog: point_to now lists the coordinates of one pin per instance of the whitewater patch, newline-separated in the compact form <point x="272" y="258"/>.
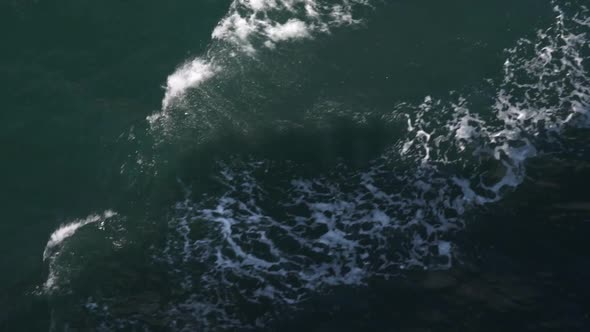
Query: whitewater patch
<point x="190" y="75"/>
<point x="292" y="29"/>
<point x="261" y="18"/>
<point x="57" y="238"/>
<point x="251" y="24"/>
<point x="69" y="229"/>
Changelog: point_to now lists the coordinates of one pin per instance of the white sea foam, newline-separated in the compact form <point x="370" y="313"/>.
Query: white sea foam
<point x="292" y="29"/>
<point x="67" y="230"/>
<point x="248" y="19"/>
<point x="190" y="75"/>
<point x="57" y="239"/>
<point x="250" y="24"/>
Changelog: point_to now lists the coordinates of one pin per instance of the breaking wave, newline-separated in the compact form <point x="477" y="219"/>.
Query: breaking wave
<point x="56" y="241"/>
<point x="290" y="239"/>
<point x="251" y="24"/>
<point x="272" y="236"/>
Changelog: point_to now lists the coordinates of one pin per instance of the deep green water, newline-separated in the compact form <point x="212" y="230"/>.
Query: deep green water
<point x="288" y="165"/>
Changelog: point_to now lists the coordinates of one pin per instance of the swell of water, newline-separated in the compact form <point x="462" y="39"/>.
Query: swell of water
<point x="272" y="236"/>
<point x="342" y="228"/>
<point x="250" y="25"/>
<point x="56" y="241"/>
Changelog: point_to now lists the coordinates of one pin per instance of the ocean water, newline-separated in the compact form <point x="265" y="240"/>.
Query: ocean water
<point x="330" y="165"/>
